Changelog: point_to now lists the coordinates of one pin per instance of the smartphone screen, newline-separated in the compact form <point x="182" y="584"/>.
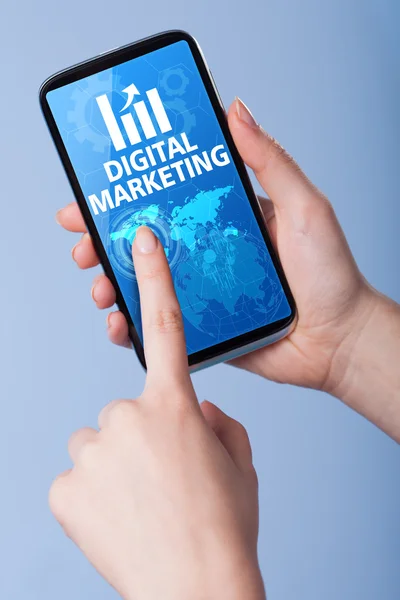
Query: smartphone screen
<point x="147" y="146"/>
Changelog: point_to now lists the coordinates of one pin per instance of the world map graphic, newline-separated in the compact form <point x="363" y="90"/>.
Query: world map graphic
<point x="223" y="277"/>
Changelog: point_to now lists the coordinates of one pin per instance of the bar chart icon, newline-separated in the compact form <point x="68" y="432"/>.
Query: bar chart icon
<point x="141" y="114"/>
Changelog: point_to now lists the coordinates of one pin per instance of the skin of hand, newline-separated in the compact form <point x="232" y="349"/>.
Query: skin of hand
<point x="163" y="499"/>
<point x="347" y="337"/>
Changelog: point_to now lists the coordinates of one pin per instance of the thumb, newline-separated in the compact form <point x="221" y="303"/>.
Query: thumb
<point x="276" y="171"/>
<point x="232" y="435"/>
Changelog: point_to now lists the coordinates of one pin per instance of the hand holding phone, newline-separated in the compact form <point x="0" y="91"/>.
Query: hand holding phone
<point x="163" y="499"/>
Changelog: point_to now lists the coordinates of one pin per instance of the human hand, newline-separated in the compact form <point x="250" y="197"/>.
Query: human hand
<point x="347" y="337"/>
<point x="163" y="499"/>
<point x="339" y="314"/>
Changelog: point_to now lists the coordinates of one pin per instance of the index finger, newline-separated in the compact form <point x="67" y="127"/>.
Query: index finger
<point x="164" y="339"/>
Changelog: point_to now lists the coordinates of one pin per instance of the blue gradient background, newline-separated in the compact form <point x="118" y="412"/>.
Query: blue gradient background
<point x="324" y="79"/>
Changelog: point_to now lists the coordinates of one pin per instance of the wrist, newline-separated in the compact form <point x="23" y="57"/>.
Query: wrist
<point x="364" y="372"/>
<point x="233" y="576"/>
<point x="249" y="584"/>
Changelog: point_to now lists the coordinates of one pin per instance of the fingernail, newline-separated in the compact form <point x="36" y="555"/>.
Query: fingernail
<point x="58" y="215"/>
<point x="244" y="114"/>
<point x="109" y="317"/>
<point x="93" y="293"/>
<point x="145" y="240"/>
<point x="94" y="286"/>
<point x="84" y="237"/>
<point x="74" y="250"/>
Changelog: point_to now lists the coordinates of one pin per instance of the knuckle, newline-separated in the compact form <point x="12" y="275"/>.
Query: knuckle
<point x="278" y="153"/>
<point x="89" y="455"/>
<point x="180" y="406"/>
<point x="168" y="320"/>
<point x="315" y="210"/>
<point x="58" y="497"/>
<point x="77" y="435"/>
<point x="121" y="412"/>
<point x="327" y="208"/>
<point x="242" y="438"/>
<point x="152" y="274"/>
<point x="241" y="431"/>
<point x="253" y="477"/>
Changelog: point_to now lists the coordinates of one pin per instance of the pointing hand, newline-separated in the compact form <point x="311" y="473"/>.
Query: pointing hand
<point x="163" y="498"/>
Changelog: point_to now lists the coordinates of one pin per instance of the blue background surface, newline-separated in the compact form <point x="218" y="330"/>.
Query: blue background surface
<point x="323" y="79"/>
<point x="226" y="283"/>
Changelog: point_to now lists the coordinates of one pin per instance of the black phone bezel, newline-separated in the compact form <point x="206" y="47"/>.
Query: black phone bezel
<point x="111" y="59"/>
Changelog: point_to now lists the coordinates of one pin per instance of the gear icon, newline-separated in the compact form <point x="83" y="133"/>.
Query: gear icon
<point x="82" y="97"/>
<point x="178" y="106"/>
<point x="166" y="84"/>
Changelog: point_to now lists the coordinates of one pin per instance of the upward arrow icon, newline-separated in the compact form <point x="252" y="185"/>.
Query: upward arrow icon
<point x="131" y="92"/>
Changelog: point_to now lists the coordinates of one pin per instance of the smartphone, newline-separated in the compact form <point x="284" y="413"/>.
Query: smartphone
<point x="142" y="134"/>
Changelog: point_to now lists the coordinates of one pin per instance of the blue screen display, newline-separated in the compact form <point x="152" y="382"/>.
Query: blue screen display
<point x="147" y="148"/>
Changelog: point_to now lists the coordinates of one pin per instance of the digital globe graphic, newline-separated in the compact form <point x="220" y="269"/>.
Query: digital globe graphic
<point x="209" y="261"/>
